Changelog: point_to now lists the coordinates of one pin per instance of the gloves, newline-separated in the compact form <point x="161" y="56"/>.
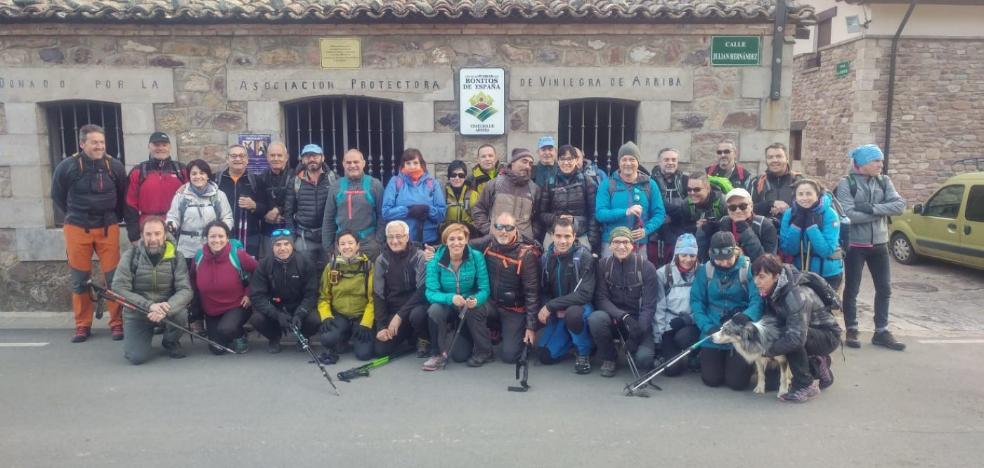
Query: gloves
<point x="801" y="218"/>
<point x="740" y="319"/>
<point x="864" y="207"/>
<point x="418" y="211"/>
<point x="299" y="314"/>
<point x="328" y="324"/>
<point x="297" y="321"/>
<point x="284" y="319"/>
<point x="677" y="323"/>
<point x="632" y="326"/>
<point x="741" y="226"/>
<point x="362" y="333"/>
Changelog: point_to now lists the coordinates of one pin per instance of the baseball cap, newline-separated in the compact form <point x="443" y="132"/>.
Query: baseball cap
<point x="159" y="137"/>
<point x="546" y="140"/>
<point x="311" y="149"/>
<point x="737" y="192"/>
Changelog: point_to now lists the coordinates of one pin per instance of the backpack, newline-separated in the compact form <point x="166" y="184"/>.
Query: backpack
<point x="740" y="170"/>
<point x="762" y="182"/>
<point x="612" y="188"/>
<point x="845" y="224"/>
<point x="523" y="249"/>
<point x="668" y="271"/>
<point x="721" y="183"/>
<point x="609" y="264"/>
<point x="133" y="265"/>
<point x="250" y="177"/>
<point x="365" y="273"/>
<point x="742" y="275"/>
<point x="823" y="290"/>
<point x="212" y="199"/>
<point x="106" y="158"/>
<point x="545" y="259"/>
<point x="176" y="168"/>
<point x="853" y="184"/>
<point x="343" y="189"/>
<point x="233" y="259"/>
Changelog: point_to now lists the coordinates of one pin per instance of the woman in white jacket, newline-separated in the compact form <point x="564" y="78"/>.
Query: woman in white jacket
<point x="673" y="326"/>
<point x="196" y="204"/>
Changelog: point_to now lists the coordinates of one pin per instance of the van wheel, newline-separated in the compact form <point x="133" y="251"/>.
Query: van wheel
<point x="902" y="249"/>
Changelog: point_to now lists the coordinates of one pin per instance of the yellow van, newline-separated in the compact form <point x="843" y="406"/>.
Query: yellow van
<point x="950" y="226"/>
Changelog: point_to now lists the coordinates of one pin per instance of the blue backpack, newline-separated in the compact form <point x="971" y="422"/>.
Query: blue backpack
<point x="233" y="259"/>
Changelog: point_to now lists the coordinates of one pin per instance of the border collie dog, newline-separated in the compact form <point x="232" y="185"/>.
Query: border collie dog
<point x="752" y="341"/>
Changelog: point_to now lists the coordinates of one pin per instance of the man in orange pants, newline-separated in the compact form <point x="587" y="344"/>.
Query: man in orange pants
<point x="90" y="187"/>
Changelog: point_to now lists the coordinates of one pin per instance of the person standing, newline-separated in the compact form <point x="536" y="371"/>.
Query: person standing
<point x="487" y="168"/>
<point x="512" y="191"/>
<point x="869" y="198"/>
<point x="756" y="235"/>
<point x="90" y="188"/>
<point x="630" y="199"/>
<point x="570" y="194"/>
<point x="355" y="203"/>
<point x="247" y="197"/>
<point x="460" y="197"/>
<point x="672" y="184"/>
<point x="152" y="184"/>
<point x="416" y="198"/>
<point x="772" y="192"/>
<point x="810" y="233"/>
<point x="307" y="195"/>
<point x="728" y="167"/>
<point x="547" y="166"/>
<point x="274" y="180"/>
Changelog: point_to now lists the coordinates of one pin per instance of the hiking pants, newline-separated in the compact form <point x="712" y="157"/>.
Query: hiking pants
<point x="270" y="327"/>
<point x="138" y="332"/>
<point x="228" y="326"/>
<point x="561" y="334"/>
<point x="332" y="337"/>
<point x="674" y="342"/>
<point x="80" y="243"/>
<point x="414" y="328"/>
<point x="443" y="321"/>
<point x="724" y="366"/>
<point x="878" y="264"/>
<point x="513" y="329"/>
<point x="603" y="333"/>
<point x="819" y="342"/>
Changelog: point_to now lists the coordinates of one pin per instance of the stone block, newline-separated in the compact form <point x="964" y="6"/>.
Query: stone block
<point x="418" y="117"/>
<point x="544" y="116"/>
<point x="654" y="116"/>
<point x="111" y="84"/>
<point x="30" y="181"/>
<point x="757" y="81"/>
<point x="651" y="142"/>
<point x="40" y="244"/>
<point x="22" y="212"/>
<point x="752" y="144"/>
<point x="467" y="147"/>
<point x="6" y="185"/>
<point x="3" y="118"/>
<point x="21" y="150"/>
<point x="520" y="140"/>
<point x="135" y="146"/>
<point x="436" y="147"/>
<point x="23" y="118"/>
<point x="775" y="114"/>
<point x="139" y="118"/>
<point x="263" y="116"/>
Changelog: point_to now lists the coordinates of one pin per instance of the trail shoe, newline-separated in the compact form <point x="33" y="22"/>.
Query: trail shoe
<point x="851" y="338"/>
<point x="216" y="351"/>
<point x="81" y="334"/>
<point x="821" y="366"/>
<point x="801" y="395"/>
<point x="434" y="363"/>
<point x="274" y="347"/>
<point x="240" y="345"/>
<point x="328" y="357"/>
<point x="885" y="338"/>
<point x="423" y="348"/>
<point x="582" y="365"/>
<point x="608" y="368"/>
<point x="478" y="361"/>
<point x="117" y="331"/>
<point x="173" y="350"/>
<point x="197" y="327"/>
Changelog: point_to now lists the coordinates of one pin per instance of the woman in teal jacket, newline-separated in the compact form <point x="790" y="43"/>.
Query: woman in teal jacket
<point x="457" y="279"/>
<point x="723" y="290"/>
<point x="810" y="233"/>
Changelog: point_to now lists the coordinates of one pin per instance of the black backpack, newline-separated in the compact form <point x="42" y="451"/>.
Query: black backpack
<point x="823" y="290"/>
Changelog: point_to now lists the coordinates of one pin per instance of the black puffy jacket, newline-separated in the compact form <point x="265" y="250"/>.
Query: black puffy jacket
<point x="627" y="287"/>
<point x="798" y="309"/>
<point x="276" y="194"/>
<point x="398" y="283"/>
<point x="514" y="276"/>
<point x="248" y="185"/>
<point x="575" y="196"/>
<point x="294" y="282"/>
<point x="92" y="193"/>
<point x="674" y="192"/>
<point x="305" y="202"/>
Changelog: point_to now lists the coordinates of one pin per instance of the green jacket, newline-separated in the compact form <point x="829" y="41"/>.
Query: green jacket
<point x="143" y="283"/>
<point x="347" y="291"/>
<point x="459" y="208"/>
<point x="471" y="279"/>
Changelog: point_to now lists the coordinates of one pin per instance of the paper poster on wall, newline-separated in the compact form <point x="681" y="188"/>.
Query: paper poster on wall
<point x="256" y="148"/>
<point x="482" y="101"/>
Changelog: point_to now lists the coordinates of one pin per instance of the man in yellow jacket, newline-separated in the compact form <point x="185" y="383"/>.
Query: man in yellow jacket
<point x="345" y="301"/>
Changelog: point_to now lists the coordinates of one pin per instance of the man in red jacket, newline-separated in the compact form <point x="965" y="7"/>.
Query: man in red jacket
<point x="152" y="184"/>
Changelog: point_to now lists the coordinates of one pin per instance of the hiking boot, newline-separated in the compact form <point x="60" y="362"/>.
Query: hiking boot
<point x="173" y="350"/>
<point x="582" y="365"/>
<point x="81" y="334"/>
<point x="273" y="347"/>
<point x="885" y="338"/>
<point x="197" y="327"/>
<point x="851" y="338"/>
<point x="117" y="332"/>
<point x="327" y="358"/>
<point x="423" y="348"/>
<point x="821" y="364"/>
<point x="801" y="395"/>
<point x="434" y="363"/>
<point x="479" y="361"/>
<point x="240" y="345"/>
<point x="608" y="368"/>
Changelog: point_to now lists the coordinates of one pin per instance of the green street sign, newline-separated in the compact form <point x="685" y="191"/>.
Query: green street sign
<point x="736" y="51"/>
<point x="843" y="68"/>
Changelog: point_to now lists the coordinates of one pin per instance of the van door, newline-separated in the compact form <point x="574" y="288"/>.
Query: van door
<point x="940" y="233"/>
<point x="972" y="231"/>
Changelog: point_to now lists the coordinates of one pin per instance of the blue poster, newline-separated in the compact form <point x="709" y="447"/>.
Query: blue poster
<point x="256" y="148"/>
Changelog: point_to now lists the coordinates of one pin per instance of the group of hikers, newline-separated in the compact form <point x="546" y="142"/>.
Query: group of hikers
<point x="545" y="251"/>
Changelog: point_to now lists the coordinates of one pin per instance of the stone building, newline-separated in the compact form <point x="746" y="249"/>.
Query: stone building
<point x="841" y="89"/>
<point x="382" y="76"/>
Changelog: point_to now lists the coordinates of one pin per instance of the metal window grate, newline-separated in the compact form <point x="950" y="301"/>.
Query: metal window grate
<point x="65" y="118"/>
<point x="599" y="127"/>
<point x="373" y="126"/>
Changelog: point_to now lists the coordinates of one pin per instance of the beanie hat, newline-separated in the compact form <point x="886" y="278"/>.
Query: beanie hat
<point x="282" y="234"/>
<point x="864" y="154"/>
<point x="457" y="165"/>
<point x="686" y="244"/>
<point x="722" y="240"/>
<point x="520" y="153"/>
<point x="630" y="149"/>
<point x="620" y="231"/>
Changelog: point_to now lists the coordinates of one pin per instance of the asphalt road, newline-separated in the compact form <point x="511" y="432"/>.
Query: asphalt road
<point x="64" y="404"/>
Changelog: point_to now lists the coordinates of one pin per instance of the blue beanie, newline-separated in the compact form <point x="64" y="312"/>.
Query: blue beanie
<point x="686" y="244"/>
<point x="864" y="154"/>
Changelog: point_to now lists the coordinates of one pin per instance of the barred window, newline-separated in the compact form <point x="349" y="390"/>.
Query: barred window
<point x="599" y="127"/>
<point x="337" y="123"/>
<point x="65" y="118"/>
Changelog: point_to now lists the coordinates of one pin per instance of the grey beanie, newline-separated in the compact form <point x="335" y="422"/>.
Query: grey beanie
<point x="630" y="149"/>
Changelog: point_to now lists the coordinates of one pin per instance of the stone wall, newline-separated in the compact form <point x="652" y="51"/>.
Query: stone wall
<point x="938" y="110"/>
<point x="185" y="80"/>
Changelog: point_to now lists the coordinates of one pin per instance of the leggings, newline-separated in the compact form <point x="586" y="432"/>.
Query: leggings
<point x="228" y="326"/>
<point x="724" y="366"/>
<point x="673" y="343"/>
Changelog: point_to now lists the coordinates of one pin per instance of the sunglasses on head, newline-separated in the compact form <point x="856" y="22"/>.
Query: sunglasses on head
<point x="457" y="175"/>
<point x="740" y="206"/>
<point x="505" y="227"/>
<point x="722" y="252"/>
<point x="280" y="232"/>
<point x="723" y="151"/>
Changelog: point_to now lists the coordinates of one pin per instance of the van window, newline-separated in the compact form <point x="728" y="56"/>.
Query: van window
<point x="975" y="204"/>
<point x="946" y="202"/>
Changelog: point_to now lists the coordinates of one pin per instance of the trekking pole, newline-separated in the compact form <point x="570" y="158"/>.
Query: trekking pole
<point x="304" y="344"/>
<point x="110" y="295"/>
<point x="461" y="323"/>
<point x="522" y="370"/>
<point x="243" y="227"/>
<point x="629" y="359"/>
<point x="363" y="370"/>
<point x="635" y="388"/>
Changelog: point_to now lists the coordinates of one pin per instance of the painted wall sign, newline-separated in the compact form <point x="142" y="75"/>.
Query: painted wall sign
<point x="130" y="85"/>
<point x="395" y="83"/>
<point x="736" y="51"/>
<point x="482" y="101"/>
<point x="640" y="83"/>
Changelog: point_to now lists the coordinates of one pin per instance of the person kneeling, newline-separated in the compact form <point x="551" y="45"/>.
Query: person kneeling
<point x="346" y="305"/>
<point x="673" y="325"/>
<point x="154" y="277"/>
<point x="809" y="331"/>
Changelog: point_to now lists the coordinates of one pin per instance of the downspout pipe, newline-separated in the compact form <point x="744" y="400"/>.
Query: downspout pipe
<point x="891" y="82"/>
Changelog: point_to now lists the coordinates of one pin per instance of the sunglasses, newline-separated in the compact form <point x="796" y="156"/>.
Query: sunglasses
<point x="723" y="151"/>
<point x="722" y="252"/>
<point x="280" y="232"/>
<point x="457" y="175"/>
<point x="695" y="189"/>
<point x="740" y="206"/>
<point x="505" y="227"/>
